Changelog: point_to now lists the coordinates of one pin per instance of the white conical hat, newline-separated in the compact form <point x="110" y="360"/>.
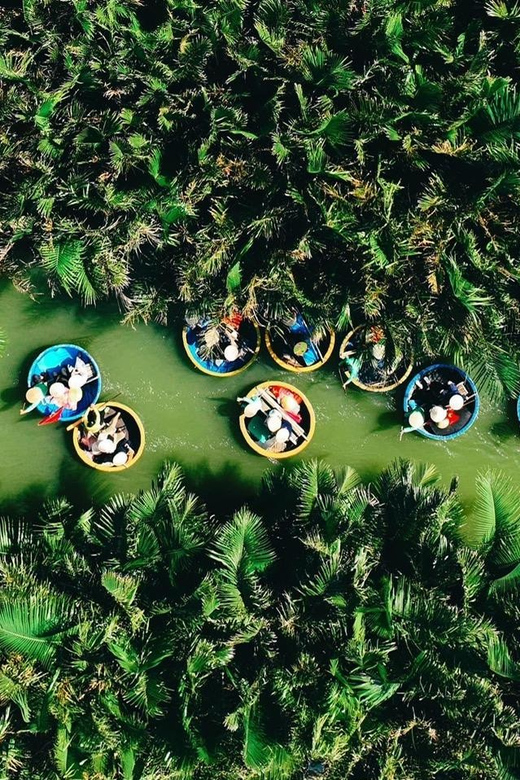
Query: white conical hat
<point x="416" y="419"/>
<point x="34" y="394"/>
<point x="120" y="458"/>
<point x="231" y="353"/>
<point x="274" y="420"/>
<point x="438" y="413"/>
<point x="77" y="380"/>
<point x="106" y="445"/>
<point x="282" y="434"/>
<point x="252" y="407"/>
<point x="75" y="394"/>
<point x="290" y="404"/>
<point x="57" y="390"/>
<point x="456" y="402"/>
<point x="379" y="350"/>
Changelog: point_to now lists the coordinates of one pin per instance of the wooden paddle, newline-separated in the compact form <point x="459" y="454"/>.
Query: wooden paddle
<point x="271" y="400"/>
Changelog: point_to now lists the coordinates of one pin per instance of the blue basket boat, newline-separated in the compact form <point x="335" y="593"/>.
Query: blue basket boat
<point x="447" y="388"/>
<point x="50" y="362"/>
<point x="242" y="337"/>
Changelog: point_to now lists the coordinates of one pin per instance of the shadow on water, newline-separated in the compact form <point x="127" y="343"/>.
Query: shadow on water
<point x="386" y="420"/>
<point x="28" y="502"/>
<point x="45" y="306"/>
<point x="229" y="409"/>
<point x="26" y="363"/>
<point x="224" y="490"/>
<point x="508" y="427"/>
<point x="83" y="486"/>
<point x="14" y="395"/>
<point x="504" y="429"/>
<point x="93" y="319"/>
<point x="10" y="397"/>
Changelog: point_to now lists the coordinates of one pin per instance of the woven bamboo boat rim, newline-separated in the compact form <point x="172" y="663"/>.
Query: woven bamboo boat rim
<point x="99" y="466"/>
<point x="372" y="388"/>
<point x="285" y="454"/>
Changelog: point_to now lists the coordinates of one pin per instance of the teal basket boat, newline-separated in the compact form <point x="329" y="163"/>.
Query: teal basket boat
<point x="50" y="362"/>
<point x="447" y="400"/>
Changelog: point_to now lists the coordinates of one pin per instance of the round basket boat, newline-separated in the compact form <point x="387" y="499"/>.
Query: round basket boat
<point x="136" y="438"/>
<point x="299" y="425"/>
<point x="50" y="363"/>
<point x="371" y="373"/>
<point x="446" y="399"/>
<point x="214" y="361"/>
<point x="292" y="346"/>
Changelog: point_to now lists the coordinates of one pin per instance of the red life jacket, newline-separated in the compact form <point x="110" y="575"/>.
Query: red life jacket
<point x="453" y="417"/>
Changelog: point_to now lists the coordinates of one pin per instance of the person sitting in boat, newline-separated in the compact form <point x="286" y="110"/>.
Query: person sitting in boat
<point x="350" y="365"/>
<point x="116" y="451"/>
<point x="105" y="437"/>
<point x="109" y="435"/>
<point x="94" y="419"/>
<point x="233" y="349"/>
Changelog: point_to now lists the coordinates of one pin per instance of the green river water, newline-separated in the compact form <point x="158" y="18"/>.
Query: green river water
<point x="193" y="418"/>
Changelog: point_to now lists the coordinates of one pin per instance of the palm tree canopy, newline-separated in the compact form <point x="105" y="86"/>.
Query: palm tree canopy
<point x="336" y="627"/>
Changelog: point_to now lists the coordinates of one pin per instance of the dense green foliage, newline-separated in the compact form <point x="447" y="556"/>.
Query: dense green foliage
<point x="360" y="159"/>
<point x="339" y="630"/>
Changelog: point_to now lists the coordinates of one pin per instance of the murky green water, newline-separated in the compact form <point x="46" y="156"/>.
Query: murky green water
<point x="192" y="418"/>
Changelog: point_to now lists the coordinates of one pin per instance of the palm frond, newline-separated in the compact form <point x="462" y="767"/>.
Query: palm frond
<point x="64" y="262"/>
<point x="500" y="661"/>
<point x="123" y="588"/>
<point x="480" y="526"/>
<point x="35" y="627"/>
<point x="494" y="370"/>
<point x="495" y="520"/>
<point x="509" y="583"/>
<point x="243" y="545"/>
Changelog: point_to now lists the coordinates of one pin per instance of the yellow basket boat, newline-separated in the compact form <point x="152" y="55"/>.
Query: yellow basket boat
<point x="310" y="357"/>
<point x="371" y="374"/>
<point x="268" y="398"/>
<point x="135" y="433"/>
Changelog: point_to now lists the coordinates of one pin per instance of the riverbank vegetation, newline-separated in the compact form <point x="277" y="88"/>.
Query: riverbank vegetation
<point x="359" y="160"/>
<point x="336" y="629"/>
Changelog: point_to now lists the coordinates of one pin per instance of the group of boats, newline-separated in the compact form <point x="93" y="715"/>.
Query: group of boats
<point x="276" y="419"/>
<point x="64" y="385"/>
